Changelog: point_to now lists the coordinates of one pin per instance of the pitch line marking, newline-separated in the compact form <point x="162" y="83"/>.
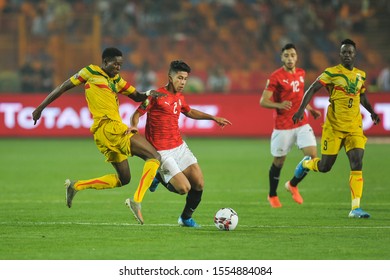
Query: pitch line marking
<point x="176" y="225"/>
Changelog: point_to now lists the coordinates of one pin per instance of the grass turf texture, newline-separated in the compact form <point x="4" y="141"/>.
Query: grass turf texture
<point x="35" y="224"/>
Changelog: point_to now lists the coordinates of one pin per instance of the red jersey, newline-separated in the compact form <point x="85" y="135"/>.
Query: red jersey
<point x="287" y="86"/>
<point x="162" y="124"/>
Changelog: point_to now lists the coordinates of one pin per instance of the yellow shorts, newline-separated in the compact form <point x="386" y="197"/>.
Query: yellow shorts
<point x="333" y="140"/>
<point x="113" y="141"/>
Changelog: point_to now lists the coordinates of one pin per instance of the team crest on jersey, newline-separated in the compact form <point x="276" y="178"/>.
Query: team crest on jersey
<point x="352" y="86"/>
<point x="301" y="79"/>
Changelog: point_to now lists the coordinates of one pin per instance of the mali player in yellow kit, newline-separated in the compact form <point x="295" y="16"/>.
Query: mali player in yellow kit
<point x="343" y="125"/>
<point x="113" y="138"/>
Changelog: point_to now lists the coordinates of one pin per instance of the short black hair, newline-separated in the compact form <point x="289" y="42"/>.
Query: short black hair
<point x="288" y="46"/>
<point x="348" y="42"/>
<point x="179" y="65"/>
<point x="111" y="53"/>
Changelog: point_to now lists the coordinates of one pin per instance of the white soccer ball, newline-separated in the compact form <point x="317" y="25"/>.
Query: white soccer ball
<point x="226" y="219"/>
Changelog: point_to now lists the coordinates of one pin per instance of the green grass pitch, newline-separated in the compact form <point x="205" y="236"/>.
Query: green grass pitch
<point x="35" y="224"/>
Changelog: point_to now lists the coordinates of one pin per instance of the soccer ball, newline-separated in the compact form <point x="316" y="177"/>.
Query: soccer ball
<point x="226" y="219"/>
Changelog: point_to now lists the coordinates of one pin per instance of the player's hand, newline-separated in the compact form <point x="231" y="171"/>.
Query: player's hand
<point x="297" y="117"/>
<point x="222" y="122"/>
<point x="375" y="118"/>
<point x="132" y="129"/>
<point x="316" y="114"/>
<point x="36" y="114"/>
<point x="285" y="105"/>
<point x="155" y="94"/>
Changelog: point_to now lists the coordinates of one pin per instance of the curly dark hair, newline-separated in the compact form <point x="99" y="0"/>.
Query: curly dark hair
<point x="111" y="53"/>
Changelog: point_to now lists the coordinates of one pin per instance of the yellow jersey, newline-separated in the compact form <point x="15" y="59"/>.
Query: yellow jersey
<point x="344" y="87"/>
<point x="101" y="93"/>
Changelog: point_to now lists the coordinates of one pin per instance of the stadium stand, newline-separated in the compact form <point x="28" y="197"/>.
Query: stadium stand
<point x="244" y="37"/>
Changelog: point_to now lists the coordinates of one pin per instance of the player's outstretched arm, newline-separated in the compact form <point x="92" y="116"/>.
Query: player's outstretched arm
<point x="222" y="122"/>
<point x="67" y="85"/>
<point x="199" y="115"/>
<point x="314" y="87"/>
<point x="366" y="104"/>
<point x="139" y="96"/>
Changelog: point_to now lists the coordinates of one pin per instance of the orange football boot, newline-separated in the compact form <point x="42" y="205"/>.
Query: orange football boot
<point x="274" y="201"/>
<point x="294" y="192"/>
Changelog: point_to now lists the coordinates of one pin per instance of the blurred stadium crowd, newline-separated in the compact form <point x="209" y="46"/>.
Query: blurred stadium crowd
<point x="231" y="45"/>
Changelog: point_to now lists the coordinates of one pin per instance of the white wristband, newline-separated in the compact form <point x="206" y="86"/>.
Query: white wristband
<point x="147" y="93"/>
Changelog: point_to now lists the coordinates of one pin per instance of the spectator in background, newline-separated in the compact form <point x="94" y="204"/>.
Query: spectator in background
<point x="263" y="32"/>
<point x="60" y="16"/>
<point x="36" y="76"/>
<point x="384" y="79"/>
<point x="194" y="85"/>
<point x="217" y="80"/>
<point x="145" y="78"/>
<point x="46" y="79"/>
<point x="30" y="77"/>
<point x="39" y="23"/>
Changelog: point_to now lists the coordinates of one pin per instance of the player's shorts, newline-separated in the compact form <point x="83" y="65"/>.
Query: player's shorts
<point x="175" y="161"/>
<point x="113" y="140"/>
<point x="333" y="140"/>
<point x="282" y="140"/>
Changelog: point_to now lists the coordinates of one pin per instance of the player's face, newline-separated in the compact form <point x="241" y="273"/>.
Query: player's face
<point x="178" y="80"/>
<point x="112" y="66"/>
<point x="289" y="59"/>
<point x="347" y="56"/>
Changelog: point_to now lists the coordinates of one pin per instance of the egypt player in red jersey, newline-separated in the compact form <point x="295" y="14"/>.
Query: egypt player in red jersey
<point x="179" y="172"/>
<point x="284" y="92"/>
